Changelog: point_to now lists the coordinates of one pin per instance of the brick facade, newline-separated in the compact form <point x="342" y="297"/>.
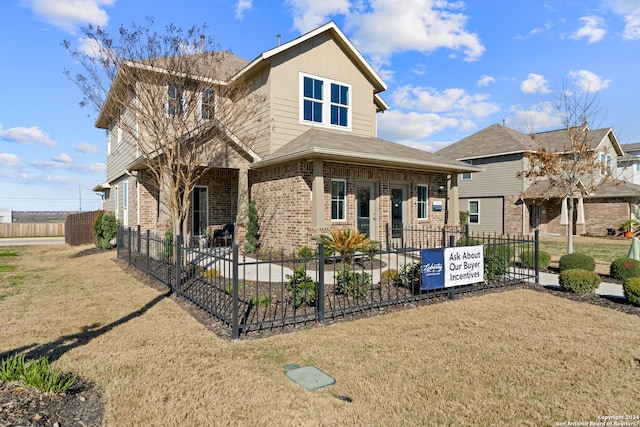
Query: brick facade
<point x="599" y="214"/>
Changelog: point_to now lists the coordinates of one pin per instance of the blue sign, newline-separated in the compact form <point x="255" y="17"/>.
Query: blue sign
<point x="432" y="269"/>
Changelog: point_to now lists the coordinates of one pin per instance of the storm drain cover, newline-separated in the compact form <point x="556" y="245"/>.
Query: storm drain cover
<point x="310" y="377"/>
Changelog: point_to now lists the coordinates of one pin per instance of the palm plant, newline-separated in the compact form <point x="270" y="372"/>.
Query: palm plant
<point x="345" y="242"/>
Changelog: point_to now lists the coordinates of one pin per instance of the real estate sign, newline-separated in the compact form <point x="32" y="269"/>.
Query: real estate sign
<point x="447" y="267"/>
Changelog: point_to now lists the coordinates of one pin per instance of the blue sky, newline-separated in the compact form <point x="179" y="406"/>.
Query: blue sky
<point x="452" y="68"/>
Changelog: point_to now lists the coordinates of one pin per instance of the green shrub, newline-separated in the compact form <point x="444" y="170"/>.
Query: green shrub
<point x="37" y="374"/>
<point x="410" y="276"/>
<point x="301" y="287"/>
<point x="105" y="229"/>
<point x="346" y="242"/>
<point x="389" y="276"/>
<point x="577" y="261"/>
<point x="528" y="258"/>
<point x="351" y="283"/>
<point x="260" y="301"/>
<point x="623" y="268"/>
<point x="496" y="265"/>
<point x="211" y="273"/>
<point x="578" y="281"/>
<point x="304" y="252"/>
<point x="631" y="289"/>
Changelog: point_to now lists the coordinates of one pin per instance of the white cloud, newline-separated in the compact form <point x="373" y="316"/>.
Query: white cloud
<point x="589" y="81"/>
<point x="77" y="167"/>
<point x="23" y="135"/>
<point x="309" y="14"/>
<point x="92" y="48"/>
<point x="485" y="81"/>
<point x="630" y="11"/>
<point x="535" y="83"/>
<point x="594" y="29"/>
<point x="67" y="14"/>
<point x="541" y="116"/>
<point x="86" y="148"/>
<point x="241" y="6"/>
<point x="10" y="161"/>
<point x="454" y="101"/>
<point x="410" y="127"/>
<point x="63" y="158"/>
<point x="386" y="28"/>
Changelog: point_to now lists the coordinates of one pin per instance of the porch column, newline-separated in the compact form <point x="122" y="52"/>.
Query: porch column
<point x="317" y="195"/>
<point x="243" y="195"/>
<point x="453" y="217"/>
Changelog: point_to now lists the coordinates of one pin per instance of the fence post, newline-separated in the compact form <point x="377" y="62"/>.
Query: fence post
<point x="320" y="288"/>
<point x="537" y="256"/>
<point x="235" y="328"/>
<point x="147" y="263"/>
<point x="178" y="265"/>
<point x="386" y="232"/>
<point x="466" y="234"/>
<point x="139" y="248"/>
<point x="129" y="244"/>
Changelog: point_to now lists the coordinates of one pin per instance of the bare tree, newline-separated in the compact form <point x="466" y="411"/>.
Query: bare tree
<point x="175" y="100"/>
<point x="574" y="167"/>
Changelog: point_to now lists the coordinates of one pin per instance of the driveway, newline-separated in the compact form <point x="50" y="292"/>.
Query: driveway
<point x="28" y="241"/>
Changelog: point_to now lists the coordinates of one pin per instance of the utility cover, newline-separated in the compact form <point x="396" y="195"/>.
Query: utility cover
<point x="310" y="377"/>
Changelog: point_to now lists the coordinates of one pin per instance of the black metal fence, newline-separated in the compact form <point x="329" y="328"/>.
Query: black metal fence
<point x="250" y="294"/>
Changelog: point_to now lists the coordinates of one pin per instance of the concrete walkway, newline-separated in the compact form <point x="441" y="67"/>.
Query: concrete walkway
<point x="609" y="289"/>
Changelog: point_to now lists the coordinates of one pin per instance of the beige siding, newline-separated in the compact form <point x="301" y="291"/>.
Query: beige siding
<point x="328" y="61"/>
<point x="491" y="214"/>
<point x="499" y="178"/>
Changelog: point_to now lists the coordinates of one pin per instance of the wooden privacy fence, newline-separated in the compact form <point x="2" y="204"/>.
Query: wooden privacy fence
<point x="79" y="228"/>
<point x="27" y="229"/>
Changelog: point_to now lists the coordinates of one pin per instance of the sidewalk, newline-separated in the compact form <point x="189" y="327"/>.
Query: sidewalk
<point x="610" y="289"/>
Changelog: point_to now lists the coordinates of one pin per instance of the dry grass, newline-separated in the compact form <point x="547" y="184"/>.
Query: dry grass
<point x="514" y="358"/>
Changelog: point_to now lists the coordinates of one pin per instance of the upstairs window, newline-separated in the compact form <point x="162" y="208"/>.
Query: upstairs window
<point x="605" y="164"/>
<point x="208" y="104"/>
<point x="423" y="201"/>
<point x="174" y="105"/>
<point x="467" y="175"/>
<point x="313" y="99"/>
<point x="325" y="102"/>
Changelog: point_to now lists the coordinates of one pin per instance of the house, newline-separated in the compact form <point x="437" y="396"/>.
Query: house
<point x="629" y="163"/>
<point x="316" y="162"/>
<point x="499" y="201"/>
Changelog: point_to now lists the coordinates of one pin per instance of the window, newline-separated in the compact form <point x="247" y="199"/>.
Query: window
<point x="200" y="210"/>
<point x="605" y="164"/>
<point x="474" y="212"/>
<point x="125" y="203"/>
<point x="423" y="201"/>
<point x="325" y="102"/>
<point x="208" y="104"/>
<point x="338" y="199"/>
<point x="174" y="106"/>
<point x="467" y="175"/>
<point x="312" y="99"/>
<point x="339" y="105"/>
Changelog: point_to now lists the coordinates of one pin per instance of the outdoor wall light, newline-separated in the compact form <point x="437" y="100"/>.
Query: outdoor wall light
<point x="441" y="189"/>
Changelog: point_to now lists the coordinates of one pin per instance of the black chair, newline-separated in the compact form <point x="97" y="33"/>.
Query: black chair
<point x="224" y="234"/>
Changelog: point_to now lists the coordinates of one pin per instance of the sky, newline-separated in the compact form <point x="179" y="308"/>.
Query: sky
<point x="452" y="68"/>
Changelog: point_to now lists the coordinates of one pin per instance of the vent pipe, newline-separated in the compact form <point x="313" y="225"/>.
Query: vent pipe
<point x="202" y="48"/>
<point x="278" y="39"/>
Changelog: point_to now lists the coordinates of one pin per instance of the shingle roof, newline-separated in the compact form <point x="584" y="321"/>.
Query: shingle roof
<point x="200" y="64"/>
<point x="498" y="139"/>
<point x="343" y="146"/>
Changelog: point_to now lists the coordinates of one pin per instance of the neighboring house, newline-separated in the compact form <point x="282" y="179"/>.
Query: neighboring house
<point x="317" y="163"/>
<point x="629" y="163"/>
<point x="498" y="201"/>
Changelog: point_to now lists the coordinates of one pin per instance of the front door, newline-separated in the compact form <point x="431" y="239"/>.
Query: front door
<point x="366" y="218"/>
<point x="398" y="194"/>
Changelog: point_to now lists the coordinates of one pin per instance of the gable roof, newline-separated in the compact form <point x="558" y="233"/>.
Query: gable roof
<point x="339" y="37"/>
<point x="346" y="147"/>
<point x="498" y="140"/>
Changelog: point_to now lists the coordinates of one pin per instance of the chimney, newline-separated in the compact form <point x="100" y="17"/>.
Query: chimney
<point x="202" y="48"/>
<point x="278" y="39"/>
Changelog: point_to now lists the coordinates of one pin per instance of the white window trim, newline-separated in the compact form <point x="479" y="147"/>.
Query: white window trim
<point x="606" y="161"/>
<point x="469" y="210"/>
<point x="193" y="226"/>
<point x="125" y="203"/>
<point x="326" y="103"/>
<point x="344" y="204"/>
<point x="181" y="98"/>
<point x="426" y="201"/>
<point x="469" y="174"/>
<point x="215" y="103"/>
<point x="116" y="206"/>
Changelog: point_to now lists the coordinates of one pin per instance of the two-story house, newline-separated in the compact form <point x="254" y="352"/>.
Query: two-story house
<point x="629" y="163"/>
<point x="499" y="201"/>
<point x="316" y="162"/>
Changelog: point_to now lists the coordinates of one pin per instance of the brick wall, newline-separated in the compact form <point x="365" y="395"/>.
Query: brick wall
<point x="599" y="215"/>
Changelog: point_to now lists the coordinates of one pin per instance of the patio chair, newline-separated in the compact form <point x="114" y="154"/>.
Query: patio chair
<point x="224" y="234"/>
